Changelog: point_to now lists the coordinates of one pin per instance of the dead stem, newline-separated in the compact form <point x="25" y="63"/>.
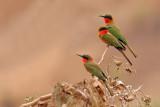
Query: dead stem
<point x="102" y="57"/>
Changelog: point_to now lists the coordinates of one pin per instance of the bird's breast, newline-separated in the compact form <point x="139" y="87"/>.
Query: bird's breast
<point x="102" y="38"/>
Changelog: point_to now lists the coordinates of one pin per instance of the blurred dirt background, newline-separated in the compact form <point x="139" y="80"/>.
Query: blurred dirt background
<point x="39" y="39"/>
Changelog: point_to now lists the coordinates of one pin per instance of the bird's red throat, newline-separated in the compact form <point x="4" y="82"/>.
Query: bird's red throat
<point x="84" y="60"/>
<point x="103" y="32"/>
<point x="107" y="21"/>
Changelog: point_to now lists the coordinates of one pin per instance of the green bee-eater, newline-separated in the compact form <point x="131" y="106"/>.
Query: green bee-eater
<point x="95" y="70"/>
<point x="111" y="40"/>
<point x="116" y="32"/>
<point x="92" y="67"/>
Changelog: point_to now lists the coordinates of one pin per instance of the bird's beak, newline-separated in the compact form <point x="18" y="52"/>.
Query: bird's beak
<point x="79" y="55"/>
<point x="102" y="16"/>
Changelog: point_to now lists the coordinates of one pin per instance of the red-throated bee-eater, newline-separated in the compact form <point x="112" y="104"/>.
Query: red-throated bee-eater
<point x="95" y="70"/>
<point x="108" y="19"/>
<point x="111" y="40"/>
<point x="92" y="67"/>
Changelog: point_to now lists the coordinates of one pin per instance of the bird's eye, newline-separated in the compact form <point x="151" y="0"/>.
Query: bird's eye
<point x="86" y="57"/>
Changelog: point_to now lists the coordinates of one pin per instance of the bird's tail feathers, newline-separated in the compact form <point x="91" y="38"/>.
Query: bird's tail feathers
<point x="131" y="50"/>
<point x="108" y="88"/>
<point x="124" y="48"/>
<point x="126" y="57"/>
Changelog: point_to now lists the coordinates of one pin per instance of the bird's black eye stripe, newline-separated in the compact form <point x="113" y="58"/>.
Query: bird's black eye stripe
<point x="102" y="28"/>
<point x="109" y="17"/>
<point x="86" y="57"/>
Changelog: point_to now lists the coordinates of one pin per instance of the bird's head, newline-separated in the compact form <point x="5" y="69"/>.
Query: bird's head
<point x="85" y="58"/>
<point x="107" y="18"/>
<point x="103" y="30"/>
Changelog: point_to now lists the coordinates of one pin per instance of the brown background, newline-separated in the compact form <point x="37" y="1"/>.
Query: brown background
<point x="39" y="39"/>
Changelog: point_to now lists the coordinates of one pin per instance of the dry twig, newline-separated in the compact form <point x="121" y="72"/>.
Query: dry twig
<point x="102" y="57"/>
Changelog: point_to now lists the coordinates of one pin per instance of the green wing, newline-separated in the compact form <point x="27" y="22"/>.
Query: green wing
<point x="116" y="32"/>
<point x="114" y="27"/>
<point x="113" y="41"/>
<point x="95" y="70"/>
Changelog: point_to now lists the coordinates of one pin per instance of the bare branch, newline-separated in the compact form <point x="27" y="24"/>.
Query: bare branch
<point x="102" y="57"/>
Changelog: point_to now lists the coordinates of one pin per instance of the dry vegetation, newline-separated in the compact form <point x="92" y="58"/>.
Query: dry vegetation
<point x="36" y="41"/>
<point x="93" y="93"/>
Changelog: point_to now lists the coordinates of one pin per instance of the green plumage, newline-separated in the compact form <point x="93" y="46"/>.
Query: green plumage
<point x="116" y="32"/>
<point x="119" y="41"/>
<point x="112" y="41"/>
<point x="95" y="70"/>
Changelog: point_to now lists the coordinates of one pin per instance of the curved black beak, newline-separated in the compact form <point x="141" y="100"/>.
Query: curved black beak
<point x="79" y="55"/>
<point x="101" y="16"/>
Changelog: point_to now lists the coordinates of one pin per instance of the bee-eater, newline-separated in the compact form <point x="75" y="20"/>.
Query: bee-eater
<point x="92" y="67"/>
<point x="95" y="70"/>
<point x="108" y="19"/>
<point x="111" y="40"/>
